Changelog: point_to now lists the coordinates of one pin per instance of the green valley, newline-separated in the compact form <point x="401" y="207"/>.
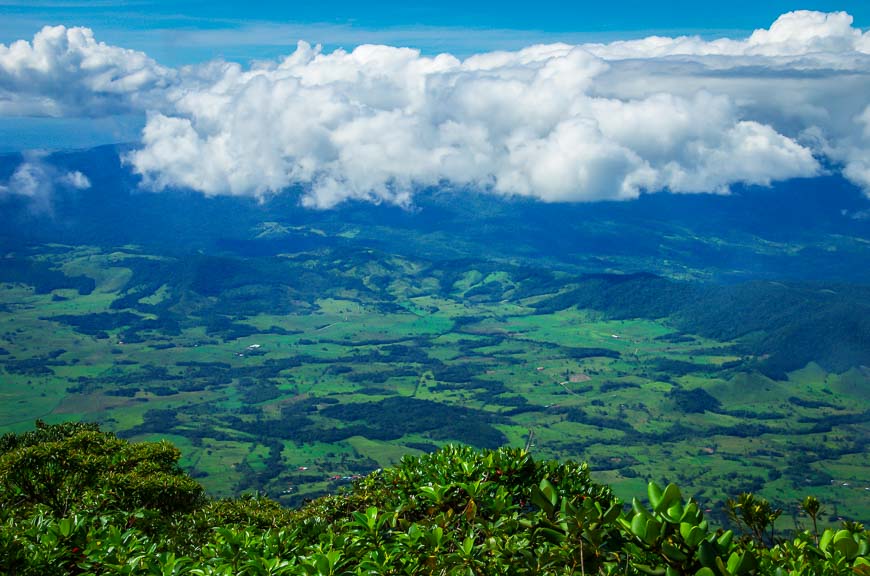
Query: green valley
<point x="295" y="373"/>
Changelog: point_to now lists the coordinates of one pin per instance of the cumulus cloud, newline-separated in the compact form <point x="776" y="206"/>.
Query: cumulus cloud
<point x="36" y="180"/>
<point x="65" y="71"/>
<point x="794" y="34"/>
<point x="375" y="123"/>
<point x="556" y="122"/>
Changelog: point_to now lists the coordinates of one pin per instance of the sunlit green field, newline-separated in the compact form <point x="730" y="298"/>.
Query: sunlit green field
<point x="263" y="409"/>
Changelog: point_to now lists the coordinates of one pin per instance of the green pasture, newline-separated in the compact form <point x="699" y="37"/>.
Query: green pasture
<point x="516" y="365"/>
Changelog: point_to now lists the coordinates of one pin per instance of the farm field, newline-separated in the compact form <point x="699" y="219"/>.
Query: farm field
<point x="293" y="374"/>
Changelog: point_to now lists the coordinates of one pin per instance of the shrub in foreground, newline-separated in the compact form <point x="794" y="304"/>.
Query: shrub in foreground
<point x="79" y="501"/>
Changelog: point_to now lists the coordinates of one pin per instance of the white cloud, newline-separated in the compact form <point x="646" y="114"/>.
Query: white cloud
<point x="377" y="122"/>
<point x="36" y="180"/>
<point x="65" y="71"/>
<point x="30" y="180"/>
<point x="557" y="122"/>
<point x="795" y="34"/>
<point x="75" y="180"/>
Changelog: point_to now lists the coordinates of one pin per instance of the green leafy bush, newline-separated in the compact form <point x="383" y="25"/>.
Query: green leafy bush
<point x="79" y="501"/>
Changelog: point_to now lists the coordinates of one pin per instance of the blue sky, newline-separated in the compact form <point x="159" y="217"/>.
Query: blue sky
<point x="186" y="31"/>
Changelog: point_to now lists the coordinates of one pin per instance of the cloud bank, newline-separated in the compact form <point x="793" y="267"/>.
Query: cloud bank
<point x="555" y="122"/>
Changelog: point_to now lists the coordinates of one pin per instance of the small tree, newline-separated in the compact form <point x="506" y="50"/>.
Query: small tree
<point x="813" y="508"/>
<point x="753" y="514"/>
<point x="71" y="466"/>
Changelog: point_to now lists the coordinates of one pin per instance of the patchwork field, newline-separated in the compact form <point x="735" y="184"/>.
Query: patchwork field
<point x="294" y="374"/>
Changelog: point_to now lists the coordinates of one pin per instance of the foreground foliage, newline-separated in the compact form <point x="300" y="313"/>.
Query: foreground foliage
<point x="74" y="500"/>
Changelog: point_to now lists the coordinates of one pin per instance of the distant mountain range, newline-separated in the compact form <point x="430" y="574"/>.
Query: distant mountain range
<point x="815" y="229"/>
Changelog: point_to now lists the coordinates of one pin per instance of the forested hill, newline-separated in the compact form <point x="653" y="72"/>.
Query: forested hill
<point x="791" y="324"/>
<point x="785" y="325"/>
<point x="76" y="501"/>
